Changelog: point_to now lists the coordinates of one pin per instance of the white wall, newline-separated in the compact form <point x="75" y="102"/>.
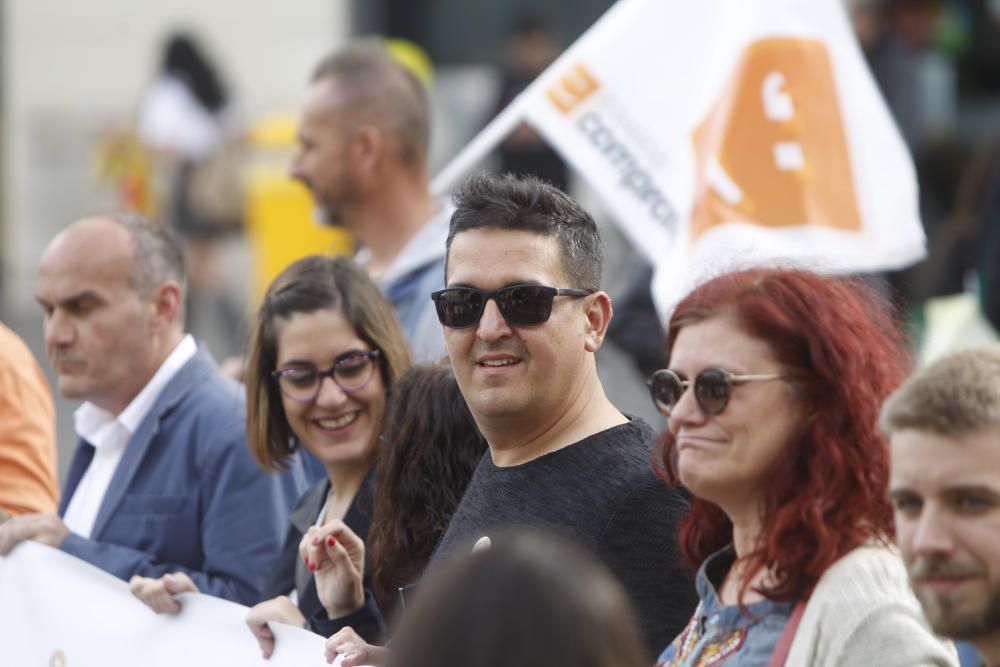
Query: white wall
<point x="73" y="68"/>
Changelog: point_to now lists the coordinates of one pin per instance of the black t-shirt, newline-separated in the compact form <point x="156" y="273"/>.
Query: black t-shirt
<point x="602" y="494"/>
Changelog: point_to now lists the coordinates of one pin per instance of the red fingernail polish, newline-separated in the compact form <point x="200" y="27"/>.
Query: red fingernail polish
<point x="312" y="567"/>
<point x="315" y="540"/>
<point x="331" y="540"/>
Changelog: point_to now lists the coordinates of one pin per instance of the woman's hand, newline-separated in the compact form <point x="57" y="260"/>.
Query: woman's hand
<point x="158" y="594"/>
<point x="336" y="557"/>
<point x="278" y="610"/>
<point x="356" y="651"/>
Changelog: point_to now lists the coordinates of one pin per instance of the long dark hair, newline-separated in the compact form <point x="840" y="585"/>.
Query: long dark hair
<point x="186" y="61"/>
<point x="430" y="448"/>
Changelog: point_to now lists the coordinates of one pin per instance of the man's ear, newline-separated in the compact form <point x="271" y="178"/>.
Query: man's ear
<point x="166" y="306"/>
<point x="598" y="309"/>
<point x="365" y="154"/>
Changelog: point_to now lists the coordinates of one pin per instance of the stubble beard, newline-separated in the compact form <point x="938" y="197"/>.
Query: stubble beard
<point x="946" y="619"/>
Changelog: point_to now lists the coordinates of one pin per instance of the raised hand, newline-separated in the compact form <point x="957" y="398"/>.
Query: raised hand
<point x="336" y="557"/>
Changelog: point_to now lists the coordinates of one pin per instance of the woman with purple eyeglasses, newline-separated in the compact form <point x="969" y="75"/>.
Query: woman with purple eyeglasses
<point x="774" y="383"/>
<point x="325" y="349"/>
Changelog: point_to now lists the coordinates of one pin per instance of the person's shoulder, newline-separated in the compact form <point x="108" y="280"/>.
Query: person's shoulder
<point x="868" y="570"/>
<point x="620" y="461"/>
<point x="634" y="433"/>
<point x="200" y="377"/>
<point x="14" y="352"/>
<point x="863" y="611"/>
<point x="17" y="364"/>
<point x="201" y="394"/>
<point x="864" y="582"/>
<point x="625" y="447"/>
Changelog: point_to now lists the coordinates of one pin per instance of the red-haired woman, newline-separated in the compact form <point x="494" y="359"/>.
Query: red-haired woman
<point x="778" y="445"/>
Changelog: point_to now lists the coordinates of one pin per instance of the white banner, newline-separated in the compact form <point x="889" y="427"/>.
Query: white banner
<point x="59" y="611"/>
<point x="725" y="133"/>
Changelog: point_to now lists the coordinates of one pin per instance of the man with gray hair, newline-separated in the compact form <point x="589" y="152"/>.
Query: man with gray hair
<point x="362" y="152"/>
<point x="944" y="428"/>
<point x="162" y="480"/>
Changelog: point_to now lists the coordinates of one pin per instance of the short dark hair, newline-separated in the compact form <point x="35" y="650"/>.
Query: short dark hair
<point x="527" y="601"/>
<point x="383" y="93"/>
<point x="308" y="285"/>
<point x="525" y="203"/>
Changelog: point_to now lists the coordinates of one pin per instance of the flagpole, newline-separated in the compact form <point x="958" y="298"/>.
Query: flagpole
<point x="508" y="119"/>
<point x="480" y="147"/>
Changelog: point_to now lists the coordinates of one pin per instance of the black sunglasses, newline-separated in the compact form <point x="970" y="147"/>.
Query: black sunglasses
<point x="712" y="388"/>
<point x="525" y="305"/>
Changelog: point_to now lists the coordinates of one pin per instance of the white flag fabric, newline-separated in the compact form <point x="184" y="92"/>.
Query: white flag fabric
<point x="725" y="133"/>
<point x="60" y="611"/>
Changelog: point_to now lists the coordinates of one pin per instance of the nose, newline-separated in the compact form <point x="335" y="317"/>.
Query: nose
<point x="329" y="394"/>
<point x="930" y="532"/>
<point x="686" y="412"/>
<point x="492" y="325"/>
<point x="59" y="330"/>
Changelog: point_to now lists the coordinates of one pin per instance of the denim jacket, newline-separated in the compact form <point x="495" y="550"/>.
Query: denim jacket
<point x="718" y="634"/>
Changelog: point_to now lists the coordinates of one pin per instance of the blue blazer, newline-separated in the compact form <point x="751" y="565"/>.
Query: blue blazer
<point x="187" y="496"/>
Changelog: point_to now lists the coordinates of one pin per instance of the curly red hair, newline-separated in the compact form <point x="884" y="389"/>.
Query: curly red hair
<point x="842" y="349"/>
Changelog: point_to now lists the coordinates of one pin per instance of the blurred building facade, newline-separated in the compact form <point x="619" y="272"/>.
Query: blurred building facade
<point x="73" y="71"/>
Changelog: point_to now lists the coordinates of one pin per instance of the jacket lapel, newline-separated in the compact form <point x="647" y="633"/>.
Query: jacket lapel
<point x="82" y="456"/>
<point x="301" y="519"/>
<point x="138" y="445"/>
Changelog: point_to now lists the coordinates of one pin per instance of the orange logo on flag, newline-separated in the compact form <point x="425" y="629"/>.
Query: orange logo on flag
<point x="573" y="87"/>
<point x="772" y="150"/>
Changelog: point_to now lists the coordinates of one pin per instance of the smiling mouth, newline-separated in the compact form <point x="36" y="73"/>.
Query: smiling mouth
<point x="696" y="440"/>
<point x="339" y="422"/>
<point x="496" y="363"/>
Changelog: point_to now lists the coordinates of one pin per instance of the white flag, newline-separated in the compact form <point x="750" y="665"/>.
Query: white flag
<point x="60" y="611"/>
<point x="725" y="133"/>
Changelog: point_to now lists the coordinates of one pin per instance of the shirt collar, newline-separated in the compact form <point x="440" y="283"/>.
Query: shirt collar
<point x="94" y="424"/>
<point x="426" y="246"/>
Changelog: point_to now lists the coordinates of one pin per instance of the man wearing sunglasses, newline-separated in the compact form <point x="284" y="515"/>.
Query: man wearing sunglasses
<point x="161" y="480"/>
<point x="523" y="316"/>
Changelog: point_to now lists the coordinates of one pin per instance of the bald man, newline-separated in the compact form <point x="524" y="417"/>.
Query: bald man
<point x="162" y="479"/>
<point x="362" y="152"/>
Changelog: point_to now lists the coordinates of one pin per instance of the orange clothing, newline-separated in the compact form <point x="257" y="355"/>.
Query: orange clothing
<point x="27" y="431"/>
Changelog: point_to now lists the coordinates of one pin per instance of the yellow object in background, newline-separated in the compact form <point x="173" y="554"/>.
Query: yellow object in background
<point x="280" y="227"/>
<point x="411" y="56"/>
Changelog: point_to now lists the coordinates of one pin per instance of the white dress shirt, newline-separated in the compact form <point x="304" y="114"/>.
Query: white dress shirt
<point x="109" y="435"/>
